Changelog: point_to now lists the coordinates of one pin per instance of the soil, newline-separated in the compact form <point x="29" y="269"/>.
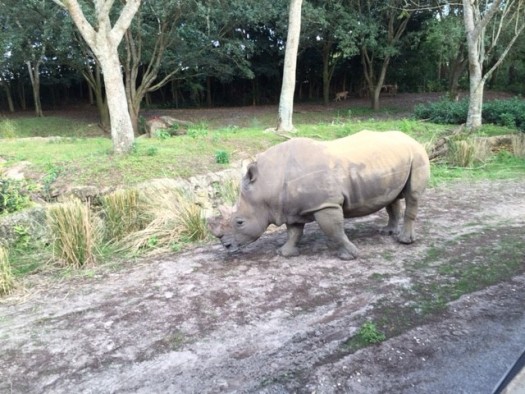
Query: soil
<point x="204" y="321"/>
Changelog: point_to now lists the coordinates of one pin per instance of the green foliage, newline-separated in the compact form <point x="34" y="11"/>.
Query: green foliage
<point x="164" y="134"/>
<point x="14" y="195"/>
<point x="198" y="131"/>
<point x="7" y="128"/>
<point x="443" y="111"/>
<point x="509" y="113"/>
<point x="367" y="335"/>
<point x="222" y="157"/>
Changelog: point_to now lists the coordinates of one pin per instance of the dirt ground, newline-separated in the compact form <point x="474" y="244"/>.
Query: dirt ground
<point x="203" y="321"/>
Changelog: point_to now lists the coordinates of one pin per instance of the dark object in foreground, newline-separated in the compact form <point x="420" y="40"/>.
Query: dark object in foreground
<point x="514" y="380"/>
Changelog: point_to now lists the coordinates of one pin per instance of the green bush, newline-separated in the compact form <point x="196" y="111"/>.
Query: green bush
<point x="14" y="196"/>
<point x="443" y="111"/>
<point x="222" y="157"/>
<point x="509" y="113"/>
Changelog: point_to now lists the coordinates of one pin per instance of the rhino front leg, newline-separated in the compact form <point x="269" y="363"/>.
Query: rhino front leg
<point x="394" y="215"/>
<point x="331" y="221"/>
<point x="295" y="232"/>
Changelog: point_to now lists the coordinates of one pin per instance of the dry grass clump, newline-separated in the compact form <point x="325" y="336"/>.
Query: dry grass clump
<point x="7" y="279"/>
<point x="123" y="214"/>
<point x="176" y="219"/>
<point x="460" y="153"/>
<point x="228" y="191"/>
<point x="74" y="232"/>
<point x="467" y="152"/>
<point x="518" y="145"/>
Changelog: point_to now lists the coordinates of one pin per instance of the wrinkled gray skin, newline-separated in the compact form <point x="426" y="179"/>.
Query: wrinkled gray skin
<point x="302" y="180"/>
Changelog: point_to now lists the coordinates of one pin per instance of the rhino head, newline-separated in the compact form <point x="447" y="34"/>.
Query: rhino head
<point x="246" y="221"/>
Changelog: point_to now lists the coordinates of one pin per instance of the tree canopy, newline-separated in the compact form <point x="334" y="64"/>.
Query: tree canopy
<point x="223" y="53"/>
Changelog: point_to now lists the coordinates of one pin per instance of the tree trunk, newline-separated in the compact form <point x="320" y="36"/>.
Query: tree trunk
<point x="121" y="126"/>
<point x="104" y="42"/>
<point x="475" y="58"/>
<point x="10" y="103"/>
<point x="290" y="63"/>
<point x="34" y="75"/>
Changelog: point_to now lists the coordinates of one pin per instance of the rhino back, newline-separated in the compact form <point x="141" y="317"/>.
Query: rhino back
<point x="362" y="173"/>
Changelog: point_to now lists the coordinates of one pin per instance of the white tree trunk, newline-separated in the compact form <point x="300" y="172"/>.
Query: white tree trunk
<point x="104" y="42"/>
<point x="474" y="34"/>
<point x="290" y="63"/>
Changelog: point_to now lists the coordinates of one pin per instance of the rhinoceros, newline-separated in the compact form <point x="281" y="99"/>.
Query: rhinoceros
<point x="302" y="180"/>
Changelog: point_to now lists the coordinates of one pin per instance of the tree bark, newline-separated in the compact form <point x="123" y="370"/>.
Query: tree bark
<point x="290" y="64"/>
<point x="34" y="75"/>
<point x="9" y="96"/>
<point x="104" y="42"/>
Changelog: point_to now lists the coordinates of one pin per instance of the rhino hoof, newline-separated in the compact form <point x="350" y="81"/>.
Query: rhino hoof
<point x="288" y="251"/>
<point x="406" y="238"/>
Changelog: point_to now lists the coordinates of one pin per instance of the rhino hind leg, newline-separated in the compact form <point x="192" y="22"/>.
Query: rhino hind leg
<point x="394" y="216"/>
<point x="331" y="222"/>
<point x="295" y="232"/>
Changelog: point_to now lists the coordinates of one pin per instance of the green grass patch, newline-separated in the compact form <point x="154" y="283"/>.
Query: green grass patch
<point x="48" y="126"/>
<point x="367" y="335"/>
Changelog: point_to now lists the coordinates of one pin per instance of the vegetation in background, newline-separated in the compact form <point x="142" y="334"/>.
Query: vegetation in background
<point x="14" y="195"/>
<point x="508" y="113"/>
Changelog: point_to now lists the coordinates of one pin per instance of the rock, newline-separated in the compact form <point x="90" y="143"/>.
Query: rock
<point x="17" y="172"/>
<point x="168" y="124"/>
<point x="30" y="222"/>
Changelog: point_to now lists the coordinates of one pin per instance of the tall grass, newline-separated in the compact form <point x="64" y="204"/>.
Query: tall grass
<point x="518" y="145"/>
<point x="122" y="214"/>
<point x="7" y="280"/>
<point x="176" y="219"/>
<point x="74" y="232"/>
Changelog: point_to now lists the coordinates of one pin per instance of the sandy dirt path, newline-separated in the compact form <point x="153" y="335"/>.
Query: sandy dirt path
<point x="204" y="321"/>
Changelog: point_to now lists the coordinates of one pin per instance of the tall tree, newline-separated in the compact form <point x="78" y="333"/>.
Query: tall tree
<point x="383" y="26"/>
<point x="290" y="64"/>
<point x="104" y="38"/>
<point x="329" y="27"/>
<point x="480" y="16"/>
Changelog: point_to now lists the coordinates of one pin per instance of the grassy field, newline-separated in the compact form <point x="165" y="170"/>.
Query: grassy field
<point x="75" y="159"/>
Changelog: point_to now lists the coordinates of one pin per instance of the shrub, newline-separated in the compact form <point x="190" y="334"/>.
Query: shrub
<point x="7" y="281"/>
<point x="74" y="232"/>
<point x="14" y="196"/>
<point x="222" y="157"/>
<point x="509" y="113"/>
<point x="443" y="111"/>
<point x="369" y="334"/>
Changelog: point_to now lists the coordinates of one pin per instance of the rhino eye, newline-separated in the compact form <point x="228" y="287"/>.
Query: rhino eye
<point x="239" y="222"/>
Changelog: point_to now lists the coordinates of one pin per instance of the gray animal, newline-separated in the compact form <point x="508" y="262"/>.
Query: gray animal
<point x="302" y="180"/>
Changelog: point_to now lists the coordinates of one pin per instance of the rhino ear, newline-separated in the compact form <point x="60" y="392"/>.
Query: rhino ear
<point x="252" y="172"/>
